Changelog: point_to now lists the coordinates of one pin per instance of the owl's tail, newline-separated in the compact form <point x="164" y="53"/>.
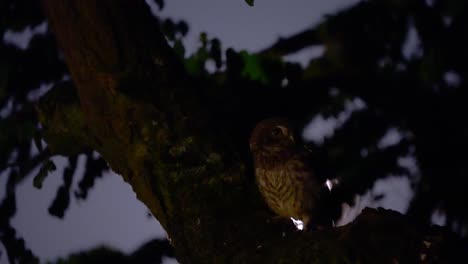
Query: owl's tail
<point x="331" y="200"/>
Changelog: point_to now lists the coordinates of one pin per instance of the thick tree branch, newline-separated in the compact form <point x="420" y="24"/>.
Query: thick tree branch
<point x="135" y="106"/>
<point x="294" y="43"/>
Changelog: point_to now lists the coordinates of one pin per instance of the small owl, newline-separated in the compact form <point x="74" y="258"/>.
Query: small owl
<point x="284" y="174"/>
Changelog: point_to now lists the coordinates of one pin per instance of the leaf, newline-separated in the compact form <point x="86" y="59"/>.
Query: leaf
<point x="62" y="198"/>
<point x="94" y="169"/>
<point x="49" y="166"/>
<point x="169" y="28"/>
<point x="195" y="63"/>
<point x="203" y="39"/>
<point x="253" y="68"/>
<point x="182" y="27"/>
<point x="215" y="52"/>
<point x="38" y="141"/>
<point x="160" y="4"/>
<point x="179" y="49"/>
<point x="250" y="2"/>
<point x="27" y="131"/>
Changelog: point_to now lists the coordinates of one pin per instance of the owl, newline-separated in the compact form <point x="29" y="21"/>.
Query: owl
<point x="284" y="174"/>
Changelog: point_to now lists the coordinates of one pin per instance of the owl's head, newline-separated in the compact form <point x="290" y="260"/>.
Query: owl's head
<point x="272" y="135"/>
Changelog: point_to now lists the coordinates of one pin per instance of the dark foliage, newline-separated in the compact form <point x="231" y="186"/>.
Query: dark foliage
<point x="421" y="92"/>
<point x="151" y="252"/>
<point x="24" y="77"/>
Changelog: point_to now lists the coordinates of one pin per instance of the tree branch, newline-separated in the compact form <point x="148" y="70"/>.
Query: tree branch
<point x="294" y="43"/>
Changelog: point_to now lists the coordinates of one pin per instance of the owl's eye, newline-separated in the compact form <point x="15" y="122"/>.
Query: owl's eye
<point x="277" y="131"/>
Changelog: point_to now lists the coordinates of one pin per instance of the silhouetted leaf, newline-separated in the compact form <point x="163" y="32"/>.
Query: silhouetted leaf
<point x="253" y="68"/>
<point x="179" y="48"/>
<point x="38" y="141"/>
<point x="62" y="198"/>
<point x="215" y="52"/>
<point x="47" y="167"/>
<point x="160" y="4"/>
<point x="94" y="169"/>
<point x="169" y="28"/>
<point x="182" y="27"/>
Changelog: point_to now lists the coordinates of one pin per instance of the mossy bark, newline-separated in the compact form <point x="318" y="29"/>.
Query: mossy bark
<point x="132" y="102"/>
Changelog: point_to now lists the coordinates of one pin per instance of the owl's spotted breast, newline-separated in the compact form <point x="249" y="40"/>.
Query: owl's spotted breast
<point x="281" y="192"/>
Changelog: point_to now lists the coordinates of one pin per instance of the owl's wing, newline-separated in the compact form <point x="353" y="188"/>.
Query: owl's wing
<point x="318" y="198"/>
<point x="304" y="173"/>
<point x="316" y="157"/>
